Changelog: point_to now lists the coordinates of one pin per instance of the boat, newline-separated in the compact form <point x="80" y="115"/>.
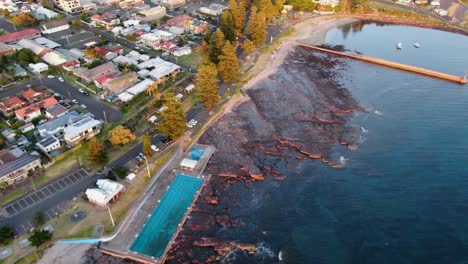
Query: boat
<point x="399" y="45"/>
<point x="416" y="45"/>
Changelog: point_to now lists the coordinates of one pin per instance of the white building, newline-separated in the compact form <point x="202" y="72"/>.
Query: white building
<point x="182" y="51"/>
<point x="163" y="70"/>
<point x="43" y="13"/>
<point x="47" y="43"/>
<point x="106" y="192"/>
<point x="151" y="14"/>
<point x="134" y="90"/>
<point x="54" y="58"/>
<point x="48" y="144"/>
<point x="69" y="6"/>
<point x="155" y="37"/>
<point x="36" y="48"/>
<point x="212" y="10"/>
<point x="331" y="3"/>
<point x="54" y="26"/>
<point x="9" y="5"/>
<point x="83" y="129"/>
<point x="38" y="67"/>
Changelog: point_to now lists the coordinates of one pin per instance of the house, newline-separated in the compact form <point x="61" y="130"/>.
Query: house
<point x="179" y="21"/>
<point x="171" y="4"/>
<point x="81" y="130"/>
<point x="331" y="3"/>
<point x="125" y="60"/>
<point x="104" y="21"/>
<point x="130" y="3"/>
<point x="34" y="94"/>
<point x="54" y="26"/>
<point x="20" y="168"/>
<point x="10" y="104"/>
<point x="38" y="67"/>
<point x="36" y="48"/>
<point x="135" y="90"/>
<point x="156" y="36"/>
<point x="99" y="81"/>
<point x="56" y="126"/>
<point x="213" y="10"/>
<point x="9" y="135"/>
<point x="26" y="127"/>
<point x="18" y="70"/>
<point x="56" y="111"/>
<point x="121" y="83"/>
<point x="151" y="14"/>
<point x="70" y="65"/>
<point x="198" y="27"/>
<point x="441" y="12"/>
<point x="41" y="13"/>
<point x="70" y="6"/>
<point x="14" y="37"/>
<point x="182" y="51"/>
<point x="47" y="43"/>
<point x="54" y="58"/>
<point x="165" y="46"/>
<point x="48" y="144"/>
<point x="189" y="88"/>
<point x="105" y="53"/>
<point x="90" y="75"/>
<point x="9" y="5"/>
<point x="6" y="49"/>
<point x="32" y="111"/>
<point x="163" y="70"/>
<point x="106" y="192"/>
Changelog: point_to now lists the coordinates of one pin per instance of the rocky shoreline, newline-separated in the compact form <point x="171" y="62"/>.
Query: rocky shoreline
<point x="299" y="112"/>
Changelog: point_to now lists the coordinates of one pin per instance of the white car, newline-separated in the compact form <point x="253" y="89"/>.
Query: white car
<point x="60" y="79"/>
<point x="83" y="106"/>
<point x="75" y="101"/>
<point x="81" y="90"/>
<point x="50" y="76"/>
<point x="155" y="148"/>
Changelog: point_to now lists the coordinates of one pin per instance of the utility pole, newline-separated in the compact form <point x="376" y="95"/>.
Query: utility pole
<point x="110" y="214"/>
<point x="147" y="168"/>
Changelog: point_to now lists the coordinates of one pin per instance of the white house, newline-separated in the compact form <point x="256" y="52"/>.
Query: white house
<point x="182" y="51"/>
<point x="83" y="129"/>
<point x="54" y="26"/>
<point x="106" y="192"/>
<point x="38" y="67"/>
<point x="48" y="144"/>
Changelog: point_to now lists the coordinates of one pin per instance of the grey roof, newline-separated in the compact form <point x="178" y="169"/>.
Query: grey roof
<point x="68" y="118"/>
<point x="48" y="141"/>
<point x="57" y="110"/>
<point x="11" y="166"/>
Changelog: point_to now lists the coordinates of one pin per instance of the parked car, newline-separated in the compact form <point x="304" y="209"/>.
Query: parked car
<point x="81" y="90"/>
<point x="75" y="101"/>
<point x="83" y="106"/>
<point x="154" y="148"/>
<point x="60" y="79"/>
<point x="50" y="76"/>
<point x="85" y="93"/>
<point x="57" y="95"/>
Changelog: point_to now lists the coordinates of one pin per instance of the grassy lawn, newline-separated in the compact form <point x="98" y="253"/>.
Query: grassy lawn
<point x="190" y="101"/>
<point x="193" y="59"/>
<point x="31" y="258"/>
<point x="13" y="195"/>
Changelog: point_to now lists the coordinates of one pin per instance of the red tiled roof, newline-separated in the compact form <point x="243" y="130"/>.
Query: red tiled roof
<point x="166" y="46"/>
<point x="70" y="63"/>
<point x="30" y="94"/>
<point x="101" y="51"/>
<point x="115" y="49"/>
<point x="177" y="20"/>
<point x="11" y="102"/>
<point x="19" y="35"/>
<point x="46" y="103"/>
<point x="102" y="79"/>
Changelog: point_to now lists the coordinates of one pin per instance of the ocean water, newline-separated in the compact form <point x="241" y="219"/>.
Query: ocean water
<point x="403" y="195"/>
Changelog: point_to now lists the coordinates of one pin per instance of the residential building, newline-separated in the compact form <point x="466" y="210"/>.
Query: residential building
<point x="171" y="4"/>
<point x="331" y="3"/>
<point x="90" y="75"/>
<point x="18" y="70"/>
<point x="56" y="111"/>
<point x="54" y="26"/>
<point x="9" y="134"/>
<point x="41" y="13"/>
<point x="19" y="169"/>
<point x="130" y="3"/>
<point x="36" y="48"/>
<point x="99" y="81"/>
<point x="165" y="46"/>
<point x="106" y="22"/>
<point x="34" y="94"/>
<point x="10" y="104"/>
<point x="81" y="130"/>
<point x="135" y="90"/>
<point x="198" y="27"/>
<point x="213" y="10"/>
<point x="125" y="60"/>
<point x="69" y="6"/>
<point x="9" y="5"/>
<point x="70" y="65"/>
<point x="32" y="111"/>
<point x="48" y="144"/>
<point x="153" y="38"/>
<point x="151" y="14"/>
<point x="54" y="58"/>
<point x="180" y="21"/>
<point x="182" y="51"/>
<point x="26" y="127"/>
<point x="106" y="192"/>
<point x="47" y="43"/>
<point x="163" y="70"/>
<point x="6" y="49"/>
<point x="38" y="67"/>
<point x="56" y="126"/>
<point x="105" y="53"/>
<point x="121" y="83"/>
<point x="14" y="37"/>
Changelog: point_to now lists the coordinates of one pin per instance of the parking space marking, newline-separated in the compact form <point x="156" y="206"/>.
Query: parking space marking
<point x="67" y="181"/>
<point x="59" y="183"/>
<point x="56" y="186"/>
<point x="73" y="179"/>
<point x="51" y="188"/>
<point x="40" y="194"/>
<point x="28" y="200"/>
<point x="23" y="204"/>
<point x="17" y="207"/>
<point x="34" y="197"/>
<point x="46" y="192"/>
<point x="10" y="210"/>
<point x="82" y="173"/>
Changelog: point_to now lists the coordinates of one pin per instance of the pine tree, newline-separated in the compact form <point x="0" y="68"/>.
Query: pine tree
<point x="207" y="85"/>
<point x="253" y="21"/>
<point x="260" y="32"/>
<point x="207" y="35"/>
<point x="227" y="26"/>
<point x="247" y="47"/>
<point x="96" y="152"/>
<point x="238" y="15"/>
<point x="216" y="45"/>
<point x="228" y="65"/>
<point x="267" y="7"/>
<point x="146" y="145"/>
<point x="121" y="135"/>
<point x="173" y="118"/>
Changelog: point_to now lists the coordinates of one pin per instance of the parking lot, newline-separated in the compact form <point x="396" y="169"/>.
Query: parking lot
<point x="73" y="38"/>
<point x="100" y="109"/>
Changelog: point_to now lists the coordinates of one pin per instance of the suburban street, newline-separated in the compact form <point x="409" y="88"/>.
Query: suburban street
<point x="100" y="109"/>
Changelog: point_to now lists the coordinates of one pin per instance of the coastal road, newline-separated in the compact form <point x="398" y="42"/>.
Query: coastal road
<point x="100" y="109"/>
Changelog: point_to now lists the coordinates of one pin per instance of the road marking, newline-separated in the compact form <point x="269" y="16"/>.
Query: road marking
<point x="67" y="181"/>
<point x="40" y="194"/>
<point x="23" y="204"/>
<point x="62" y="184"/>
<point x="57" y="186"/>
<point x="17" y="207"/>
<point x="46" y="191"/>
<point x="34" y="196"/>
<point x="51" y="189"/>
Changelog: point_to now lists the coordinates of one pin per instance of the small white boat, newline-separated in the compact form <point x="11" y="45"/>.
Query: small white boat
<point x="416" y="45"/>
<point x="399" y="45"/>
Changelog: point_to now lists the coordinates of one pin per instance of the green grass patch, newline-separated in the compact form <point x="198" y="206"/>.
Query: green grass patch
<point x="31" y="258"/>
<point x="12" y="195"/>
<point x="88" y="232"/>
<point x="189" y="101"/>
<point x="193" y="59"/>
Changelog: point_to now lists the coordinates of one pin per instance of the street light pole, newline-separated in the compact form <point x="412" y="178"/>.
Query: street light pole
<point x="147" y="167"/>
<point x="110" y="214"/>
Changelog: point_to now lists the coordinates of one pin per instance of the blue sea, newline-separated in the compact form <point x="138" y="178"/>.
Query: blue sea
<point x="403" y="194"/>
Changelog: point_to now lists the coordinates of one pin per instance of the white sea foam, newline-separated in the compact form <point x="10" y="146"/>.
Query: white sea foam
<point x="364" y="130"/>
<point x="343" y="160"/>
<point x="377" y="112"/>
<point x="264" y="250"/>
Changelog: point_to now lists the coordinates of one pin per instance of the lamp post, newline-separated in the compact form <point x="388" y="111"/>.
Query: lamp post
<point x="110" y="214"/>
<point x="147" y="167"/>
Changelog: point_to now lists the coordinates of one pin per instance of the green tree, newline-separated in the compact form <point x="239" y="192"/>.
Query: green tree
<point x="228" y="66"/>
<point x="24" y="20"/>
<point x="130" y="37"/>
<point x="216" y="45"/>
<point x="146" y="145"/>
<point x="238" y="14"/>
<point x="39" y="218"/>
<point x="96" y="152"/>
<point x="207" y="85"/>
<point x="302" y="5"/>
<point x="84" y="17"/>
<point x="268" y="8"/>
<point x="121" y="136"/>
<point x="6" y="12"/>
<point x="6" y="235"/>
<point x="258" y="30"/>
<point x="39" y="237"/>
<point x="247" y="47"/>
<point x="207" y="35"/>
<point x="173" y="118"/>
<point x="250" y="29"/>
<point x="227" y="26"/>
<point x="77" y="23"/>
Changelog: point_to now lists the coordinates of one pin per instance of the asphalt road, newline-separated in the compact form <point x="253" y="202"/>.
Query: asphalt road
<point x="100" y="109"/>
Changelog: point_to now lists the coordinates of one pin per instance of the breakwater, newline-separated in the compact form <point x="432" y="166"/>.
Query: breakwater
<point x="395" y="65"/>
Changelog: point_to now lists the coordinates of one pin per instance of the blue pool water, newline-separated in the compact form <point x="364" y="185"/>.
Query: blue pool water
<point x="196" y="153"/>
<point x="55" y="153"/>
<point x="160" y="227"/>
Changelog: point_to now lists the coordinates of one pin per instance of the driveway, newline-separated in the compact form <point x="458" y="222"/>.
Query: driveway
<point x="100" y="109"/>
